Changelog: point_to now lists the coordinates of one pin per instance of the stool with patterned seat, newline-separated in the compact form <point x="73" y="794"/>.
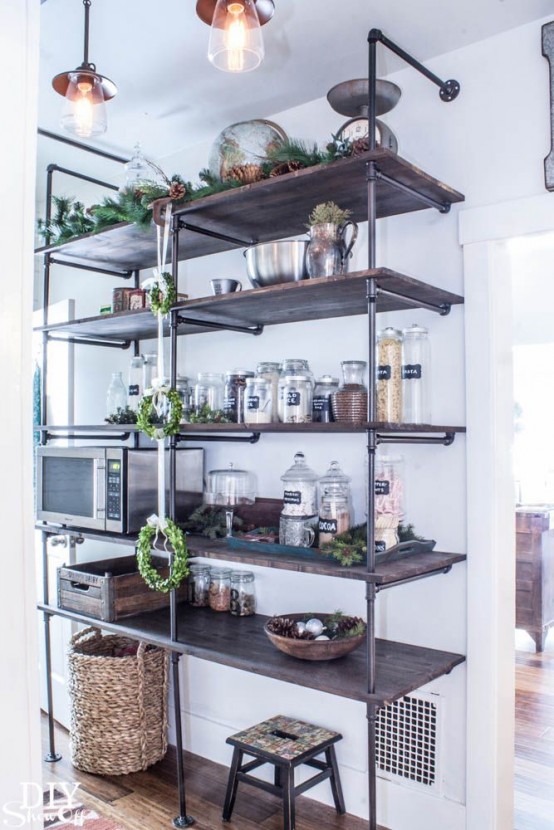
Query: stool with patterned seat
<point x="286" y="743"/>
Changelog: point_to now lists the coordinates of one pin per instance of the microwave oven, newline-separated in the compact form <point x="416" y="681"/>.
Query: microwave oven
<point x="112" y="488"/>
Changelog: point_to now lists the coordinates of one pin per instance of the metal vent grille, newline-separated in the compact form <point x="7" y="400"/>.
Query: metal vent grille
<point x="408" y="739"/>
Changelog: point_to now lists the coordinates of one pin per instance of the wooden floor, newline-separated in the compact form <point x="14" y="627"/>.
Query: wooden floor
<point x="148" y="799"/>
<point x="534" y="766"/>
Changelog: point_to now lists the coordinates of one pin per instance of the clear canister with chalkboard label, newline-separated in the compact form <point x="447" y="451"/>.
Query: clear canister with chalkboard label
<point x="300" y="489"/>
<point x="389" y="375"/>
<point x="258" y="404"/>
<point x="295" y="396"/>
<point x="416" y="358"/>
<point x="321" y="405"/>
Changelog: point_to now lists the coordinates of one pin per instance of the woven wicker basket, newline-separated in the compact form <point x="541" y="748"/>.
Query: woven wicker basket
<point x="118" y="704"/>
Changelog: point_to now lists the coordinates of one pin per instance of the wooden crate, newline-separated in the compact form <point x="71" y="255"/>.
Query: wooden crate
<point x="111" y="588"/>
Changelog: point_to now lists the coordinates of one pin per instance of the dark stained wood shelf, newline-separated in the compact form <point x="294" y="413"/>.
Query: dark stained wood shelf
<point x="334" y="428"/>
<point x="317" y="299"/>
<point x="414" y="566"/>
<point x="276" y="208"/>
<point x="240" y="642"/>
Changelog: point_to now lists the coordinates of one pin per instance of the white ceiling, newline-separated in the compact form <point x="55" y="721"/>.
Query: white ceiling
<point x="170" y="97"/>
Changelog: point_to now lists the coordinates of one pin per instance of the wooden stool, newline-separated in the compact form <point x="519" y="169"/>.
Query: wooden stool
<point x="286" y="743"/>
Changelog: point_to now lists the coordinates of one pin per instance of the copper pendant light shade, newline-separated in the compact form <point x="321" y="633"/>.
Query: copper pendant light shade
<point x="205" y="10"/>
<point x="61" y="82"/>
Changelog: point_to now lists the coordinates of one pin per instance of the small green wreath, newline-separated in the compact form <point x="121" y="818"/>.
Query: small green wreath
<point x="179" y="570"/>
<point x="147" y="413"/>
<point x="162" y="294"/>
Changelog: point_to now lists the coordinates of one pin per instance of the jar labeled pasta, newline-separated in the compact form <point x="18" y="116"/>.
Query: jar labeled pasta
<point x="219" y="595"/>
<point x="199" y="584"/>
<point x="389" y="375"/>
<point x="243" y="594"/>
<point x="416" y="376"/>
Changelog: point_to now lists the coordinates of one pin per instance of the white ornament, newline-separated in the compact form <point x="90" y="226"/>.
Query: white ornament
<point x="322" y="637"/>
<point x="300" y="627"/>
<point x="314" y="626"/>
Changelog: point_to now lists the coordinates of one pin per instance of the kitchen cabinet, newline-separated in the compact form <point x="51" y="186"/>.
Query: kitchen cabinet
<point x="535" y="572"/>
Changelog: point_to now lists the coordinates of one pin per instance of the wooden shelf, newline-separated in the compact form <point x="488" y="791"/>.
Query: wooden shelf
<point x="240" y="429"/>
<point x="240" y="642"/>
<point x="317" y="299"/>
<point x="276" y="208"/>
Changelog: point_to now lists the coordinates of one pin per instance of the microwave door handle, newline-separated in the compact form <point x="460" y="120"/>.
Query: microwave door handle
<point x="100" y="488"/>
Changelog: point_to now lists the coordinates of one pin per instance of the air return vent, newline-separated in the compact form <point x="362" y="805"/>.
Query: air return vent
<point x="408" y="740"/>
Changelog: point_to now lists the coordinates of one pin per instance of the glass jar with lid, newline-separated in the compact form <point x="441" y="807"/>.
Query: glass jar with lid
<point x="390" y="501"/>
<point x="335" y="482"/>
<point x="292" y="367"/>
<point x="135" y="389"/>
<point x="199" y="585"/>
<point x="230" y="486"/>
<point x="243" y="594"/>
<point x="334" y="516"/>
<point x="208" y="392"/>
<point x="258" y="401"/>
<point x="300" y="489"/>
<point x="321" y="405"/>
<point x="416" y="359"/>
<point x="295" y="399"/>
<point x="235" y="393"/>
<point x="349" y="403"/>
<point x="270" y="371"/>
<point x="182" y="387"/>
<point x="389" y="376"/>
<point x="149" y="371"/>
<point x="219" y="593"/>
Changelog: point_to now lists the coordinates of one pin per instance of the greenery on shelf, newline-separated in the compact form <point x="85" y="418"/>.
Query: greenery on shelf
<point x="69" y="219"/>
<point x="328" y="213"/>
<point x="210" y="521"/>
<point x="205" y="415"/>
<point x="350" y="548"/>
<point x="122" y="416"/>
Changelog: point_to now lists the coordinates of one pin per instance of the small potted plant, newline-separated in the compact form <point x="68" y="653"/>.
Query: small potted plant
<point x="328" y="252"/>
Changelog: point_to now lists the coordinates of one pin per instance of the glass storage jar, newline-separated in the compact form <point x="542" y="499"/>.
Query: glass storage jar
<point x="208" y="392"/>
<point x="416" y="360"/>
<point x="116" y="396"/>
<point x="135" y="389"/>
<point x="219" y="593"/>
<point x="229" y="487"/>
<point x="243" y="594"/>
<point x="350" y="402"/>
<point x="235" y="393"/>
<point x="297" y="531"/>
<point x="390" y="506"/>
<point x="270" y="371"/>
<point x="295" y="396"/>
<point x="300" y="489"/>
<point x="321" y="405"/>
<point x="199" y="585"/>
<point x="259" y="401"/>
<point x="182" y="386"/>
<point x="389" y="376"/>
<point x="334" y="516"/>
<point x="149" y="370"/>
<point x="290" y="367"/>
<point x="335" y="482"/>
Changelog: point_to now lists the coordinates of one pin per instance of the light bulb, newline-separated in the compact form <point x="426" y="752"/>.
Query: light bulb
<point x="84" y="111"/>
<point x="236" y="43"/>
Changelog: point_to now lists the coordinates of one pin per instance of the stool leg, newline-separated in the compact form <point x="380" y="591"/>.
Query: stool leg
<point x="336" y="787"/>
<point x="232" y="785"/>
<point x="288" y="797"/>
<point x="278" y="778"/>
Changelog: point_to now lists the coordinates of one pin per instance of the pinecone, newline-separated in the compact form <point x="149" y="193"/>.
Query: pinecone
<point x="177" y="191"/>
<point x="286" y="167"/>
<point x="285" y="627"/>
<point x="359" y="146"/>
<point x="349" y="626"/>
<point x="245" y="173"/>
<point x="138" y="193"/>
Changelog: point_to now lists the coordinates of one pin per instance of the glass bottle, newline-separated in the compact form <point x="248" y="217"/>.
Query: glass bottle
<point x="300" y="489"/>
<point x="219" y="593"/>
<point x="116" y="397"/>
<point x="150" y="369"/>
<point x="321" y="405"/>
<point x="258" y="401"/>
<point x="208" y="392"/>
<point x="350" y="402"/>
<point x="270" y="372"/>
<point x="416" y="360"/>
<point x="389" y="376"/>
<point x="199" y="585"/>
<point x="334" y="516"/>
<point x="243" y="594"/>
<point x="135" y="390"/>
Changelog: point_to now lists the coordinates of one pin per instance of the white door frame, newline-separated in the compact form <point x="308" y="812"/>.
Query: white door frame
<point x="491" y="502"/>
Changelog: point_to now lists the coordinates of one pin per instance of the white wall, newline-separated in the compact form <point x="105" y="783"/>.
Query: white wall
<point x="490" y="147"/>
<point x="19" y="712"/>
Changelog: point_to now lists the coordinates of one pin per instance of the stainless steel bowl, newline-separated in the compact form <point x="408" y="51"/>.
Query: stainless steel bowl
<point x="270" y="263"/>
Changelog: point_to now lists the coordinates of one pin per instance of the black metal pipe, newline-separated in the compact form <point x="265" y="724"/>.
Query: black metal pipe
<point x="182" y="820"/>
<point x="448" y="90"/>
<point x="442" y="207"/>
<point x="409" y="579"/>
<point x="443" y="308"/>
<point x="72" y="143"/>
<point x="88" y="341"/>
<point x="66" y="171"/>
<point x="186" y="226"/>
<point x="125" y="275"/>
<point x="51" y="756"/>
<point x="236" y="439"/>
<point x="255" y="330"/>
<point x="57" y="436"/>
<point x="86" y="4"/>
<point x="445" y="440"/>
<point x="372" y="103"/>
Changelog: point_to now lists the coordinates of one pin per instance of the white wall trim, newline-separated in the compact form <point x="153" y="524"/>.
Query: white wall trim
<point x="507" y="219"/>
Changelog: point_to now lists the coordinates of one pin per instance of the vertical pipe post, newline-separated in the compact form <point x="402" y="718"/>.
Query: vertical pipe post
<point x="51" y="756"/>
<point x="371" y="710"/>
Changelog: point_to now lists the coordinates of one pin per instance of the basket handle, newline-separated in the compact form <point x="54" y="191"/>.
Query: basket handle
<point x="90" y="633"/>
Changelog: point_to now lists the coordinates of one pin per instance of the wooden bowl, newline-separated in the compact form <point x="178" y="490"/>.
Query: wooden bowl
<point x="314" y="649"/>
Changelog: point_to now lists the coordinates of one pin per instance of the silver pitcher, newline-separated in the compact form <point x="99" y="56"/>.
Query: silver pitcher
<point x="328" y="251"/>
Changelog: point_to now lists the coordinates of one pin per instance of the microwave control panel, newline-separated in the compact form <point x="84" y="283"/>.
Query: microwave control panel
<point x="114" y="490"/>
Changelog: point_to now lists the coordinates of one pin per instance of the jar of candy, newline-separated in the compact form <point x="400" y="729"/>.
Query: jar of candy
<point x="390" y="504"/>
<point x="219" y="593"/>
<point x="199" y="585"/>
<point x="243" y="594"/>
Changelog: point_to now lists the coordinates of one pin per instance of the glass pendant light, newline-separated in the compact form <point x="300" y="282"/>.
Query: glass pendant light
<point x="236" y="43"/>
<point x="85" y="93"/>
<point x="137" y="171"/>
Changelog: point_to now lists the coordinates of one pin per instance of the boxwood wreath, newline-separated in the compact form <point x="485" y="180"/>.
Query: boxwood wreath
<point x="162" y="294"/>
<point x="147" y="413"/>
<point x="179" y="569"/>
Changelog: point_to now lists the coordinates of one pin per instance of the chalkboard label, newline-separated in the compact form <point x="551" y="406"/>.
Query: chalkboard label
<point x="293" y="398"/>
<point x="292" y="497"/>
<point x="327" y="525"/>
<point x="382" y="487"/>
<point x="411" y="370"/>
<point x="230" y="404"/>
<point x="321" y="404"/>
<point x="134" y="390"/>
<point x="380" y="547"/>
<point x="253" y="403"/>
<point x="383" y="373"/>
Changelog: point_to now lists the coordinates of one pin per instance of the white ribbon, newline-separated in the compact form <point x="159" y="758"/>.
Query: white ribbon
<point x="160" y="525"/>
